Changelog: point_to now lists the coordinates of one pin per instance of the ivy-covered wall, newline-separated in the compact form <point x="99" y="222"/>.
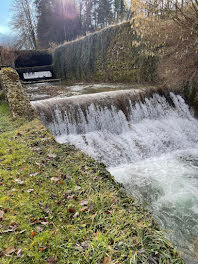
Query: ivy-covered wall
<point x="107" y="55"/>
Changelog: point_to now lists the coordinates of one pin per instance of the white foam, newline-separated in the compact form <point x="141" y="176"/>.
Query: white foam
<point x="37" y="75"/>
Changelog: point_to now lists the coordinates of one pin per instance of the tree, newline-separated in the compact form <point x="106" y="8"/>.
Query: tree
<point x="105" y="14"/>
<point x="45" y="28"/>
<point x="58" y="20"/>
<point x="88" y="15"/>
<point x="119" y="10"/>
<point x="23" y="22"/>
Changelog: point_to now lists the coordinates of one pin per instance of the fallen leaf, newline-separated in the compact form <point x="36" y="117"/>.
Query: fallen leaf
<point x="44" y="223"/>
<point x="76" y="215"/>
<point x="84" y="209"/>
<point x="13" y="224"/>
<point x="32" y="234"/>
<point x="19" y="253"/>
<point x="30" y="190"/>
<point x="55" y="179"/>
<point x="46" y="209"/>
<point x="21" y="232"/>
<point x="39" y="229"/>
<point x="10" y="250"/>
<point x="12" y="229"/>
<point x="51" y="261"/>
<point x="72" y="210"/>
<point x="33" y="174"/>
<point x="85" y="244"/>
<point x="77" y="188"/>
<point x="68" y="192"/>
<point x="107" y="260"/>
<point x="78" y="247"/>
<point x="1" y="215"/>
<point x="85" y="202"/>
<point x="41" y="249"/>
<point x="52" y="156"/>
<point x="20" y="182"/>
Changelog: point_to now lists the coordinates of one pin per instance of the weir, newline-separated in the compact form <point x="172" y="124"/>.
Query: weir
<point x="148" y="140"/>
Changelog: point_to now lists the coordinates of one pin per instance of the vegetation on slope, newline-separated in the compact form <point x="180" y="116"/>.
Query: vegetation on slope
<point x="106" y="55"/>
<point x="169" y="30"/>
<point x="59" y="206"/>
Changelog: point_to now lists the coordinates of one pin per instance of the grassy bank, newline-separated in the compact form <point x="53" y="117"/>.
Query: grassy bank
<point x="59" y="206"/>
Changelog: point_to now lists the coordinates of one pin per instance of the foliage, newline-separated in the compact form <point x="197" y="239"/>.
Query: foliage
<point x="7" y="55"/>
<point x="168" y="29"/>
<point x="59" y="206"/>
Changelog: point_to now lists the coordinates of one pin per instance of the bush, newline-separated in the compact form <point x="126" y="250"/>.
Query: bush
<point x="171" y="33"/>
<point x="7" y="55"/>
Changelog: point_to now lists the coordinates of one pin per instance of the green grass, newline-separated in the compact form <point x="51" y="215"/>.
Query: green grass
<point x="61" y="205"/>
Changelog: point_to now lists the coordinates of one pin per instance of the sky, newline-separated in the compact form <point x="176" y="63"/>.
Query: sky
<point x="5" y="15"/>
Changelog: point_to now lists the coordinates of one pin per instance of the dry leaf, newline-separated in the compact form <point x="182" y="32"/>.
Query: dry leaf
<point x="55" y="179"/>
<point x="10" y="250"/>
<point x="84" y="209"/>
<point x="52" y="156"/>
<point x="85" y="244"/>
<point x="72" y="210"/>
<point x="78" y="247"/>
<point x="5" y="210"/>
<point x="85" y="202"/>
<point x="34" y="174"/>
<point x="51" y="261"/>
<point x="39" y="229"/>
<point x="19" y="253"/>
<point x="44" y="223"/>
<point x="30" y="190"/>
<point x="76" y="215"/>
<point x="1" y="215"/>
<point x="77" y="188"/>
<point x="20" y="182"/>
<point x="12" y="229"/>
<point x="33" y="234"/>
<point x="107" y="260"/>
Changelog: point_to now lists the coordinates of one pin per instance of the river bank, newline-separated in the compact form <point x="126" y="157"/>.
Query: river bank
<point x="58" y="205"/>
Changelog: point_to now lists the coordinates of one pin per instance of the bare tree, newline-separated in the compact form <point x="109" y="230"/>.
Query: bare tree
<point x="23" y="22"/>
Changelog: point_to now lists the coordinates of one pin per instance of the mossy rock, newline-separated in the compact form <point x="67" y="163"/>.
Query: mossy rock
<point x="15" y="94"/>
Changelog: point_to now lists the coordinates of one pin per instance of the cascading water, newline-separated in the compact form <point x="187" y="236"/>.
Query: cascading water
<point x="149" y="145"/>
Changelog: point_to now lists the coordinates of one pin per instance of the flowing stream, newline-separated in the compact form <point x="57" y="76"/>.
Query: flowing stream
<point x="149" y="144"/>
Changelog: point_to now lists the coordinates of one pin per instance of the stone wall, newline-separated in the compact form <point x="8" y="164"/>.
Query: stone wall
<point x="15" y="94"/>
<point x="107" y="55"/>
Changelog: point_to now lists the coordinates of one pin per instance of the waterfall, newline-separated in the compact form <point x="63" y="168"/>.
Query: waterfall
<point x="148" y="142"/>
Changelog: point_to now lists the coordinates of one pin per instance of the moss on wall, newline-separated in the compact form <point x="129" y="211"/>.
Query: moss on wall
<point x="107" y="55"/>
